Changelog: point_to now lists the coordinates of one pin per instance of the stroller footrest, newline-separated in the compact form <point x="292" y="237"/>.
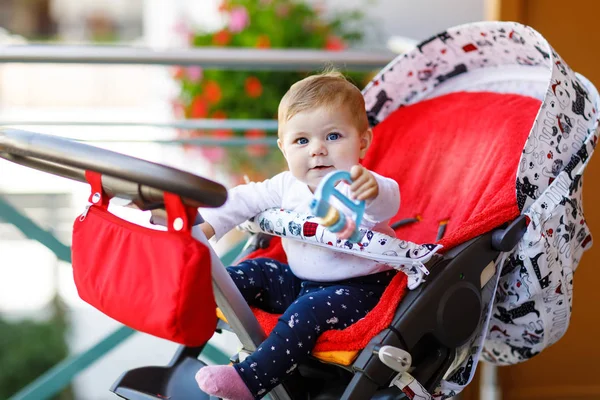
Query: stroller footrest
<point x="173" y="382"/>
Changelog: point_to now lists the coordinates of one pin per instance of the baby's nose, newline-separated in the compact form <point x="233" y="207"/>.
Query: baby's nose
<point x="318" y="148"/>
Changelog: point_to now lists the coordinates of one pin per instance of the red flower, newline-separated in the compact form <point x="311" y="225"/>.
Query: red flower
<point x="219" y="114"/>
<point x="334" y="43"/>
<point x="224" y="6"/>
<point x="212" y="92"/>
<point x="253" y="87"/>
<point x="178" y="72"/>
<point x="256" y="150"/>
<point x="263" y="42"/>
<point x="221" y="133"/>
<point x="199" y="107"/>
<point x="217" y="153"/>
<point x="222" y="38"/>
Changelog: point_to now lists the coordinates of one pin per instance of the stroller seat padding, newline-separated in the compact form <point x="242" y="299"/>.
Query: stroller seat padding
<point x="455" y="157"/>
<point x="339" y="346"/>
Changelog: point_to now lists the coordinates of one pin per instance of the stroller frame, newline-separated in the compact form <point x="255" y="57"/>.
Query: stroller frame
<point x="429" y="330"/>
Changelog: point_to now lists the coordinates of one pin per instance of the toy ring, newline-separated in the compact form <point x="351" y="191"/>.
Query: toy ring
<point x="333" y="219"/>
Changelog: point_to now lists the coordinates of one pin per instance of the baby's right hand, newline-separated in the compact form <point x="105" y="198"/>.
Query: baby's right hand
<point x="364" y="185"/>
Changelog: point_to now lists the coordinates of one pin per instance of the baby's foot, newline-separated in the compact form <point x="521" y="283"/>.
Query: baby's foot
<point x="223" y="381"/>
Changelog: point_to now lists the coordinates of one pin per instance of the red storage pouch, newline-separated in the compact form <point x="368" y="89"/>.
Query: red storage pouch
<point x="157" y="282"/>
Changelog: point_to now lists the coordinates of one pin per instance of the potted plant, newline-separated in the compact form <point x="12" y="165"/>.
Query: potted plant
<point x="226" y="94"/>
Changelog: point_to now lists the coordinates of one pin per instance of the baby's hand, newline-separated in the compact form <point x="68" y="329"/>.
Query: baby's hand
<point x="364" y="185"/>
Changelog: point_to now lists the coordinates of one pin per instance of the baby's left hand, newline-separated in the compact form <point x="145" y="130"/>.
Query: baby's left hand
<point x="364" y="185"/>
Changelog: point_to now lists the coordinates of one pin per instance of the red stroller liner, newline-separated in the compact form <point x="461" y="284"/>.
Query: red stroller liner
<point x="455" y="158"/>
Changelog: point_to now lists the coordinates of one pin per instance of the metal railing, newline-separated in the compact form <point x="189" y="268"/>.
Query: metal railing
<point x="222" y="58"/>
<point x="233" y="124"/>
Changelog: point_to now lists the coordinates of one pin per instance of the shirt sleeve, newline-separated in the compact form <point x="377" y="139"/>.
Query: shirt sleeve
<point x="387" y="203"/>
<point x="244" y="202"/>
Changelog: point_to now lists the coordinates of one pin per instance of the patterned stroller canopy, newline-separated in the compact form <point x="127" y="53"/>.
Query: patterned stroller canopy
<point x="532" y="306"/>
<point x="501" y="57"/>
<point x="533" y="289"/>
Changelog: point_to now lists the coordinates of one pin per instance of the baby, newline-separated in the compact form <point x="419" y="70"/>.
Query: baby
<point x="323" y="127"/>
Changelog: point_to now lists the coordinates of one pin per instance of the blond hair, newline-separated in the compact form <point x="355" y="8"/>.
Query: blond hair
<point x="327" y="89"/>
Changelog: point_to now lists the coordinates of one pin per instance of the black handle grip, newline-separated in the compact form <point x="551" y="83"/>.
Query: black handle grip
<point x="132" y="177"/>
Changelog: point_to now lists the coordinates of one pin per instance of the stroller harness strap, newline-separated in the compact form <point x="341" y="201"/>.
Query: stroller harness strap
<point x="408" y="257"/>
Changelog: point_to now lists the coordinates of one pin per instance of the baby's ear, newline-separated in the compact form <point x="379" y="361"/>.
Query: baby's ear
<point x="280" y="145"/>
<point x="365" y="142"/>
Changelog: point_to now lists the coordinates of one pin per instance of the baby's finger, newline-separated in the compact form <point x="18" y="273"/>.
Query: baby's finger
<point x="367" y="194"/>
<point x="364" y="181"/>
<point x="360" y="181"/>
<point x="356" y="171"/>
<point x="362" y="189"/>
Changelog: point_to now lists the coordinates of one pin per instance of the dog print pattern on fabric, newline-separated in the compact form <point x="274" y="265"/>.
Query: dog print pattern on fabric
<point x="533" y="298"/>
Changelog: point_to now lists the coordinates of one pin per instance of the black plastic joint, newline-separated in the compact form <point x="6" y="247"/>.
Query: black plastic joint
<point x="506" y="239"/>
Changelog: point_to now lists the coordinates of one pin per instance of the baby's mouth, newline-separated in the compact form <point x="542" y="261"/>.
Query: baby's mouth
<point x="322" y="167"/>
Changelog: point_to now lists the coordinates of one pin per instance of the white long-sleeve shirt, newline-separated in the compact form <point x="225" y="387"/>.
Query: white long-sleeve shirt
<point x="307" y="262"/>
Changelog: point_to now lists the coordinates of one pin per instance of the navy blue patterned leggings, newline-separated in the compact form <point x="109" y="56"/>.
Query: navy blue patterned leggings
<point x="309" y="309"/>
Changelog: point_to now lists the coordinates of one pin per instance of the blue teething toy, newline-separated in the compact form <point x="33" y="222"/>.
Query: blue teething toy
<point x="334" y="219"/>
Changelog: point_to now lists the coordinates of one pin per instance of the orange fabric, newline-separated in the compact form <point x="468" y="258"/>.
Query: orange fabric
<point x="341" y="357"/>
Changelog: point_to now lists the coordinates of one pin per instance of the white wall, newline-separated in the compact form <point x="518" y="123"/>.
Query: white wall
<point x="417" y="19"/>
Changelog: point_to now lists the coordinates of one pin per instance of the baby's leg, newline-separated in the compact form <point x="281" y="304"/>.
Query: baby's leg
<point x="296" y="333"/>
<point x="266" y="283"/>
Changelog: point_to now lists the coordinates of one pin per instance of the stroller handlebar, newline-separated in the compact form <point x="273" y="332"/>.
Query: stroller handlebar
<point x="125" y="176"/>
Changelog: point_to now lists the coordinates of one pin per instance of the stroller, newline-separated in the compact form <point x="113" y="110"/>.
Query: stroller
<point x="488" y="132"/>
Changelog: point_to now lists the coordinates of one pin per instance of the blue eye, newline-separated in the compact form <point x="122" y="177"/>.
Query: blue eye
<point x="333" y="136"/>
<point x="302" y="140"/>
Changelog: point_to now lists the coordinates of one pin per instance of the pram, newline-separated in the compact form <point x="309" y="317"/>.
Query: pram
<point x="492" y="222"/>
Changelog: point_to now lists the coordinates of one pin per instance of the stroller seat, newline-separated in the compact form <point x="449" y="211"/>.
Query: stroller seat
<point x="479" y="134"/>
<point x="454" y="158"/>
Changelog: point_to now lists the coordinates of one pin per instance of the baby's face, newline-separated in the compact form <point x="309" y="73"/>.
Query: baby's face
<point x="319" y="141"/>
